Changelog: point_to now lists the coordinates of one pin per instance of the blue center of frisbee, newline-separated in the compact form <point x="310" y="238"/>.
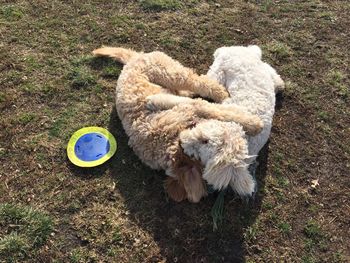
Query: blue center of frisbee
<point x="91" y="147"/>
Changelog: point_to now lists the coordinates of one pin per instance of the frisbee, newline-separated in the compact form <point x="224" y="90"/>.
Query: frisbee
<point x="91" y="146"/>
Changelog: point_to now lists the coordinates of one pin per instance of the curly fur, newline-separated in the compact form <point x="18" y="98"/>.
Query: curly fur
<point x="252" y="85"/>
<point x="154" y="136"/>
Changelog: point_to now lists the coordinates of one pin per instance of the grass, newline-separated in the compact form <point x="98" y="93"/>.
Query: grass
<point x="118" y="212"/>
<point x="14" y="246"/>
<point x="252" y="232"/>
<point x="11" y="13"/>
<point x="2" y="97"/>
<point x="279" y="50"/>
<point x="23" y="230"/>
<point x="336" y="79"/>
<point x="81" y="77"/>
<point x="316" y="239"/>
<point x="59" y="125"/>
<point x="285" y="227"/>
<point x="160" y="5"/>
<point x="313" y="230"/>
<point x="25" y="118"/>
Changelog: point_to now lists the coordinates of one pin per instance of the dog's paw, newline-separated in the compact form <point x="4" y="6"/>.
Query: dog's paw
<point x="254" y="126"/>
<point x="219" y="93"/>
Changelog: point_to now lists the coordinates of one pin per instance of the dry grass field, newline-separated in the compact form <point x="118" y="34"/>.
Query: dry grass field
<point x="50" y="86"/>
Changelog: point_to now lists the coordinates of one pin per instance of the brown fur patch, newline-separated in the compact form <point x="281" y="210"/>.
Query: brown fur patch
<point x="188" y="181"/>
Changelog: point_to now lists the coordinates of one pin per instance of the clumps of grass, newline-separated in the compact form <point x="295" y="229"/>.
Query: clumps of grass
<point x="252" y="231"/>
<point x="14" y="78"/>
<point x="313" y="230"/>
<point x="308" y="259"/>
<point x="160" y="5"/>
<point x="99" y="225"/>
<point x="339" y="256"/>
<point x="324" y="116"/>
<point x="121" y="21"/>
<point x="78" y="255"/>
<point x="327" y="16"/>
<point x="336" y="79"/>
<point x="279" y="50"/>
<point x="168" y="41"/>
<point x="266" y="5"/>
<point x="111" y="71"/>
<point x="32" y="63"/>
<point x="285" y="227"/>
<point x="2" y="97"/>
<point x="283" y="181"/>
<point x="25" y="118"/>
<point x="59" y="125"/>
<point x="81" y="77"/>
<point x="29" y="88"/>
<point x="267" y="205"/>
<point x="217" y="211"/>
<point x="11" y="13"/>
<point x="107" y="67"/>
<point x="22" y="231"/>
<point x="13" y="246"/>
<point x="2" y="152"/>
<point x="314" y="236"/>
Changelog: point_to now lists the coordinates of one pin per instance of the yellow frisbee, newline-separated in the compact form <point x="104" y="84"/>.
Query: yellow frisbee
<point x="91" y="146"/>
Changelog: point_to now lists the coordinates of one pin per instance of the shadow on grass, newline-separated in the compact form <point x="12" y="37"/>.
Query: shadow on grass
<point x="183" y="231"/>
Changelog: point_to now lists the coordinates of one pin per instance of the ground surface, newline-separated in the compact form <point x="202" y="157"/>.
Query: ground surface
<point x="50" y="86"/>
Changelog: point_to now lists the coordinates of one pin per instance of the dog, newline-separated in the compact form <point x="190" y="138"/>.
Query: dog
<point x="155" y="137"/>
<point x="252" y="85"/>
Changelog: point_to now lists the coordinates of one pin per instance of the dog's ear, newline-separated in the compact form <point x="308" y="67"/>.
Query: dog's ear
<point x="194" y="183"/>
<point x="188" y="182"/>
<point x="175" y="189"/>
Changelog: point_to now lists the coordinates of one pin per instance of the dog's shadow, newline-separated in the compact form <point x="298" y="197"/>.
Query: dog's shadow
<point x="183" y="231"/>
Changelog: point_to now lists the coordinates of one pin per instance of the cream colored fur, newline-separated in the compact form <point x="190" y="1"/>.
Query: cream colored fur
<point x="252" y="85"/>
<point x="155" y="136"/>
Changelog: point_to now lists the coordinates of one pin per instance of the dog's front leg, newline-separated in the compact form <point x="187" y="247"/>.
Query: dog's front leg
<point x="165" y="101"/>
<point x="252" y="124"/>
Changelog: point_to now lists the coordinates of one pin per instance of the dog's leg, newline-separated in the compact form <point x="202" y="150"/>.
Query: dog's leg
<point x="167" y="72"/>
<point x="165" y="101"/>
<point x="251" y="123"/>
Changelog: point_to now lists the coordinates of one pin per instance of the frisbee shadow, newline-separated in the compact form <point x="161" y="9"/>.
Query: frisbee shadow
<point x="87" y="173"/>
<point x="183" y="231"/>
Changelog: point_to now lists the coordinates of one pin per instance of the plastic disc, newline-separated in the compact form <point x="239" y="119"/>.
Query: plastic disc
<point x="91" y="146"/>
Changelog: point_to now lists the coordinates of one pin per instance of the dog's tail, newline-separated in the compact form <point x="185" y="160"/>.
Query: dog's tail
<point x="122" y="55"/>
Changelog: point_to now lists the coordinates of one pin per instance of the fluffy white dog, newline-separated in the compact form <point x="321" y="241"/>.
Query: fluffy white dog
<point x="252" y="85"/>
